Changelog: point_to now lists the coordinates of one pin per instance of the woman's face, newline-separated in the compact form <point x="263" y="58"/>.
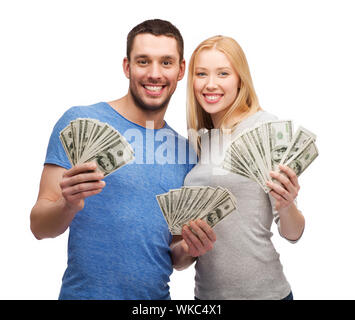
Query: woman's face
<point x="215" y="82"/>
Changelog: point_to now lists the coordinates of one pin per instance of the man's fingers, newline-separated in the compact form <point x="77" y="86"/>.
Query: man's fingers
<point x="80" y="168"/>
<point x="201" y="236"/>
<point x="81" y="178"/>
<point x="193" y="238"/>
<point x="207" y="229"/>
<point x="186" y="233"/>
<point x="82" y="188"/>
<point x="83" y="195"/>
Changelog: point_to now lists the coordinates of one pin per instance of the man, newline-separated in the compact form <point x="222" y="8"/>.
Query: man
<point x="119" y="242"/>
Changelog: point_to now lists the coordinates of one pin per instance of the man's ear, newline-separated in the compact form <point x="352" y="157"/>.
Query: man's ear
<point x="126" y="67"/>
<point x="182" y="69"/>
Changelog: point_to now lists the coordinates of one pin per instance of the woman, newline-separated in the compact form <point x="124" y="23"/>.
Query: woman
<point x="243" y="263"/>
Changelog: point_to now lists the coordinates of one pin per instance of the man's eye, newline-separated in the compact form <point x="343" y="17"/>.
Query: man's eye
<point x="166" y="63"/>
<point x="142" y="62"/>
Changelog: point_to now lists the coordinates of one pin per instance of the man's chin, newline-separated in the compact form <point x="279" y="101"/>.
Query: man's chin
<point x="153" y="107"/>
<point x="149" y="107"/>
<point x="149" y="104"/>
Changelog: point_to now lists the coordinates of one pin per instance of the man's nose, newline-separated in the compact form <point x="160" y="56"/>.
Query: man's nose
<point x="155" y="71"/>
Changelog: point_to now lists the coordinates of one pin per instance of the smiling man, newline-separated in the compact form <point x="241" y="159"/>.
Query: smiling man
<point x="119" y="242"/>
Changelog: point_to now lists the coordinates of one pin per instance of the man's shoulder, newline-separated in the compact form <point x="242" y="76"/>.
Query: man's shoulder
<point x="174" y="132"/>
<point x="84" y="109"/>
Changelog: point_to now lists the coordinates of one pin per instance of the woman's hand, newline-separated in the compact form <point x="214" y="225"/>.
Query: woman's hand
<point x="287" y="188"/>
<point x="198" y="241"/>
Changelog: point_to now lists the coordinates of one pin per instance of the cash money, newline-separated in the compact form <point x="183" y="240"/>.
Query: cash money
<point x="180" y="206"/>
<point x="86" y="140"/>
<point x="261" y="149"/>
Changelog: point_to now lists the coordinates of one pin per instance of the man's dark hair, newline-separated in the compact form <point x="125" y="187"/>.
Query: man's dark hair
<point x="156" y="27"/>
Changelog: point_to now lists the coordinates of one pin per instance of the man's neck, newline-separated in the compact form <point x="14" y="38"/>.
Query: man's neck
<point x="126" y="107"/>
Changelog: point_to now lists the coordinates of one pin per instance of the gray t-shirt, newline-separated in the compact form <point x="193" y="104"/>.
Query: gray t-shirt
<point x="243" y="263"/>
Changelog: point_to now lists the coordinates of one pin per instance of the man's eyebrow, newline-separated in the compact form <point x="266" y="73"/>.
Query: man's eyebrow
<point x="139" y="56"/>
<point x="168" y="57"/>
<point x="145" y="56"/>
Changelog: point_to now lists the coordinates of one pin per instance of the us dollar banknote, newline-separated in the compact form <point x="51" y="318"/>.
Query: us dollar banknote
<point x="180" y="206"/>
<point x="86" y="140"/>
<point x="258" y="150"/>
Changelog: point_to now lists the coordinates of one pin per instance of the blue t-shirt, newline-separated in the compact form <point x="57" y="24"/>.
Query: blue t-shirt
<point x="118" y="244"/>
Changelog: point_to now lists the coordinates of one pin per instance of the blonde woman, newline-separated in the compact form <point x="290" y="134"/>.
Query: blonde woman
<point x="243" y="263"/>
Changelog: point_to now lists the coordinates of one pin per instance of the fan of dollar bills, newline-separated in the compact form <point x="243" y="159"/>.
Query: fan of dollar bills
<point x="179" y="206"/>
<point x="86" y="140"/>
<point x="257" y="151"/>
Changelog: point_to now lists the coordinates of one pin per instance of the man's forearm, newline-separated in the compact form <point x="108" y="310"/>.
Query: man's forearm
<point x="50" y="219"/>
<point x="180" y="259"/>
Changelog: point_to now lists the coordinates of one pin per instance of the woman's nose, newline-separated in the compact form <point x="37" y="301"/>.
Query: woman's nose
<point x="211" y="83"/>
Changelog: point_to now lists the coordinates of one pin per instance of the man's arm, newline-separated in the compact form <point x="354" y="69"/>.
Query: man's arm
<point x="192" y="243"/>
<point x="61" y="196"/>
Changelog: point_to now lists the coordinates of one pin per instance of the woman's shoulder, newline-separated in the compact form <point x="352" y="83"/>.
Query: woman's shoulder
<point x="263" y="116"/>
<point x="255" y="119"/>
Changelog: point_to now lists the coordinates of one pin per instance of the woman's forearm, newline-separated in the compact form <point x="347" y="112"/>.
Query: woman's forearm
<point x="292" y="222"/>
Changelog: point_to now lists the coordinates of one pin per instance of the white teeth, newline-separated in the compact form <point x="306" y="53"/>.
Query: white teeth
<point x="212" y="98"/>
<point x="153" y="88"/>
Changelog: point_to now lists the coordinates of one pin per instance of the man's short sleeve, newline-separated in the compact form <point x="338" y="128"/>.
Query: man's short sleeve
<point x="55" y="151"/>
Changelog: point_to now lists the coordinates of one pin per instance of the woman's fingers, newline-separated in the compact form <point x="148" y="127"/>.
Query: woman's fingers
<point x="280" y="201"/>
<point x="285" y="188"/>
<point x="279" y="190"/>
<point x="292" y="175"/>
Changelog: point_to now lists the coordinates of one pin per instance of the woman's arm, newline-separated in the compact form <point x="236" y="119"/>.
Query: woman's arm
<point x="292" y="221"/>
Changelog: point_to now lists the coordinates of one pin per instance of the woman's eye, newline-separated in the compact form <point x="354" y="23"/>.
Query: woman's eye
<point x="200" y="74"/>
<point x="224" y="73"/>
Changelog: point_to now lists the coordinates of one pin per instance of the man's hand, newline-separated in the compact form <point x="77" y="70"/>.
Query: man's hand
<point x="80" y="182"/>
<point x="61" y="197"/>
<point x="198" y="238"/>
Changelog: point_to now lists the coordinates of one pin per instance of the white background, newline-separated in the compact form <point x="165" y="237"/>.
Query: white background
<point x="56" y="54"/>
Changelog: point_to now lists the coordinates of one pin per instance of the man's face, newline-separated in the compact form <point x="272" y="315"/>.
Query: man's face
<point x="153" y="70"/>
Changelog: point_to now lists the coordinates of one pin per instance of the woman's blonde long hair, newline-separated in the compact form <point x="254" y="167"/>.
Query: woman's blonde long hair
<point x="246" y="102"/>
